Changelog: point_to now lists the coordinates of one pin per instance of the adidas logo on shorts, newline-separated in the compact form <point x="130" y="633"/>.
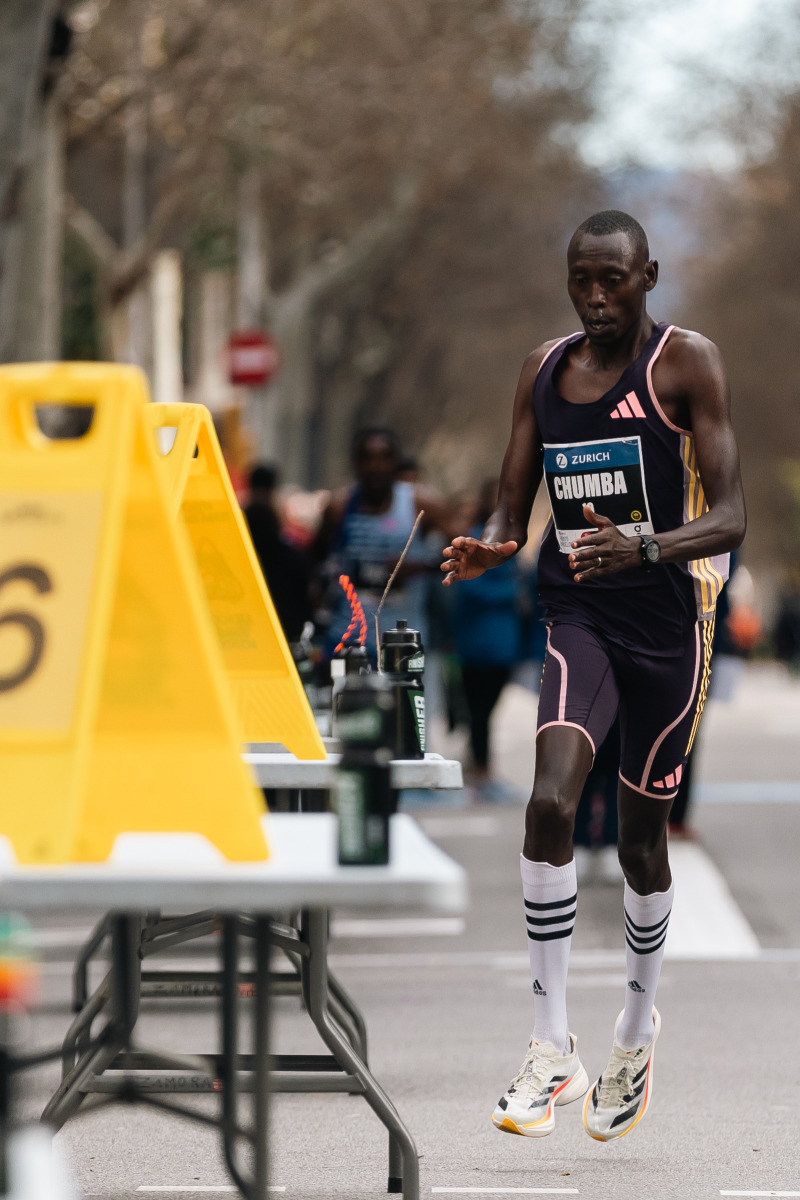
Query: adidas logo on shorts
<point x="538" y="990"/>
<point x="634" y="986"/>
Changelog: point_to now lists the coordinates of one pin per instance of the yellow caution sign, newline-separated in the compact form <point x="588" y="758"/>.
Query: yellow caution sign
<point x="267" y="691"/>
<point x="115" y="714"/>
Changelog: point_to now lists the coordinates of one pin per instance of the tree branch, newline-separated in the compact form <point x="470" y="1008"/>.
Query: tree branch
<point x="102" y="247"/>
<point x="132" y="265"/>
<point x="367" y="249"/>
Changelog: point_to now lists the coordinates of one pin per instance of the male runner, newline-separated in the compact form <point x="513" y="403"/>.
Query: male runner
<point x="364" y="529"/>
<point x="630" y="421"/>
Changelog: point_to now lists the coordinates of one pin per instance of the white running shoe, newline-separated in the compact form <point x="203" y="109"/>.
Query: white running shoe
<point x="621" y="1096"/>
<point x="546" y="1078"/>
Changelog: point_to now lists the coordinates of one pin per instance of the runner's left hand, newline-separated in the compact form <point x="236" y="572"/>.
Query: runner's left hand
<point x="608" y="547"/>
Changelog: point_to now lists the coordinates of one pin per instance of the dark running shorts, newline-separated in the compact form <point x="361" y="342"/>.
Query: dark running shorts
<point x="587" y="679"/>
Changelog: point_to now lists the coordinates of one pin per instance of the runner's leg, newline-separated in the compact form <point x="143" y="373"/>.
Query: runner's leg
<point x="662" y="700"/>
<point x="577" y="705"/>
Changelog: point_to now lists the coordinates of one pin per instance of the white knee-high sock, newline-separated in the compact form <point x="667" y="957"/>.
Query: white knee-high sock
<point x="551" y="895"/>
<point x="646" y="921"/>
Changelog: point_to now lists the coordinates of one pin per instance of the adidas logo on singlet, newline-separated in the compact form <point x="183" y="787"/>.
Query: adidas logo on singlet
<point x="629" y="408"/>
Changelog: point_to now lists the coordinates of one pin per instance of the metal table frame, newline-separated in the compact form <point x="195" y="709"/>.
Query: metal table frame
<point x="101" y="1057"/>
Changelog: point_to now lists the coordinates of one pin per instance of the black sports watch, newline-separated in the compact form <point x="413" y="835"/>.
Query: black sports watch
<point x="650" y="550"/>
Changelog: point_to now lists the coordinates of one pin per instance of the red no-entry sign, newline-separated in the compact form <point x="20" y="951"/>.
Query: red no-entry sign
<point x="253" y="357"/>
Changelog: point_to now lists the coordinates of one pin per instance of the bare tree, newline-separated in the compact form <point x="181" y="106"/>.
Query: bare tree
<point x="25" y="28"/>
<point x="361" y="117"/>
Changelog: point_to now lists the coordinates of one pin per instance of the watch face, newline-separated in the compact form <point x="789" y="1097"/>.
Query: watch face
<point x="652" y="552"/>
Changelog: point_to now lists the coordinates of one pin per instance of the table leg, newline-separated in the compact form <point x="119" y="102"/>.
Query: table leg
<point x="122" y="1000"/>
<point x="355" y="1019"/>
<point x="262" y="1057"/>
<point x="80" y="976"/>
<point x="403" y="1158"/>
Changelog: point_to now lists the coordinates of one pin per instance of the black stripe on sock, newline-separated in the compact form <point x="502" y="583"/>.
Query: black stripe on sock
<point x="640" y="950"/>
<point x="555" y="904"/>
<point x="551" y="920"/>
<point x="637" y="937"/>
<point x="645" y="928"/>
<point x="550" y="937"/>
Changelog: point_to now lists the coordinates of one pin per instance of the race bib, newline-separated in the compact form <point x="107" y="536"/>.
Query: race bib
<point x="606" y="475"/>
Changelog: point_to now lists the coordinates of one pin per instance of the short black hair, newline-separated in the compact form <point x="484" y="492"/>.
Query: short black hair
<point x="375" y="431"/>
<point x="611" y="220"/>
<point x="264" y="476"/>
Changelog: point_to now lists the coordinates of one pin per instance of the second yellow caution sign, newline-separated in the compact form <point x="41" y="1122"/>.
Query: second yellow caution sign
<point x="115" y="714"/>
<point x="269" y="696"/>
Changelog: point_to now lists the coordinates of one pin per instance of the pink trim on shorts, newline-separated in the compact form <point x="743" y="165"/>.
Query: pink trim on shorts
<point x="652" y="390"/>
<point x="567" y="725"/>
<point x="677" y="721"/>
<point x="562" y="695"/>
<point x="650" y="795"/>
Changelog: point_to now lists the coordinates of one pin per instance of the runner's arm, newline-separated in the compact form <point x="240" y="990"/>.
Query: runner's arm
<point x="506" y="531"/>
<point x="723" y="527"/>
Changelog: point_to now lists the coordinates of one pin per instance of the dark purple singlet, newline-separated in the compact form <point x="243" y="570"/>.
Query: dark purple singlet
<point x="624" y="457"/>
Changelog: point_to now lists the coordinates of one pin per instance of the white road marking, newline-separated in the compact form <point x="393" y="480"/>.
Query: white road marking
<point x="773" y="791"/>
<point x="463" y="825"/>
<point x="476" y="1191"/>
<point x="706" y="922"/>
<point x="381" y="927"/>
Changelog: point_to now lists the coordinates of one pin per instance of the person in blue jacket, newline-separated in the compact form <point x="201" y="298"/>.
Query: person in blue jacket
<point x="487" y="633"/>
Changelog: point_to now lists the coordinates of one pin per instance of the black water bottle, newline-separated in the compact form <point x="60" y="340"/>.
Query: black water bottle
<point x="363" y="791"/>
<point x="403" y="663"/>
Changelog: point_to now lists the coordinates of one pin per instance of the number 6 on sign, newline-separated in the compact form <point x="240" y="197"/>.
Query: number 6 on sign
<point x="41" y="582"/>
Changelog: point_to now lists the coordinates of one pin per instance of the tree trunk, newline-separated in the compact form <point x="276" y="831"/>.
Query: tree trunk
<point x="24" y="32"/>
<point x="37" y="324"/>
<point x="293" y="392"/>
<point x="133" y="328"/>
<point x="290" y="397"/>
<point x="251" y="294"/>
<point x="167" y="306"/>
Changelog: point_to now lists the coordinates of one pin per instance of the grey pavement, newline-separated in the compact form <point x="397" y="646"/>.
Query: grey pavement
<point x="449" y="1012"/>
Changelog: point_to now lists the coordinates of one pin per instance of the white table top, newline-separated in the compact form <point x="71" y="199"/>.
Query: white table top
<point x="275" y="767"/>
<point x="153" y="871"/>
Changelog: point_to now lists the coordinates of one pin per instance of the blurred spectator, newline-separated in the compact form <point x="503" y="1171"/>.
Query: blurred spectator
<point x="487" y="630"/>
<point x="363" y="532"/>
<point x="596" y="821"/>
<point x="285" y="569"/>
<point x="408" y="470"/>
<point x="787" y="627"/>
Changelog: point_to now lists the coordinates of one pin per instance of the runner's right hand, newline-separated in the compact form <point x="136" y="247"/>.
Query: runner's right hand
<point x="467" y="558"/>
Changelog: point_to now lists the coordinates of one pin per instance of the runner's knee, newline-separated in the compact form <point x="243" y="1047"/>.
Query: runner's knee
<point x="549" y="819"/>
<point x="643" y="858"/>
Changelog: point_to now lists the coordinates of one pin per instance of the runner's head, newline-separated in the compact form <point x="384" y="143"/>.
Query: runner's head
<point x="376" y="455"/>
<point x="610" y="273"/>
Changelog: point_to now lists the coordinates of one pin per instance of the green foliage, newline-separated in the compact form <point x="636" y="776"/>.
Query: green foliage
<point x="213" y="247"/>
<point x="79" y="332"/>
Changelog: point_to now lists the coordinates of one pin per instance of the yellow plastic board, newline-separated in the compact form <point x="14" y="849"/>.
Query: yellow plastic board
<point x="269" y="697"/>
<point x="115" y="713"/>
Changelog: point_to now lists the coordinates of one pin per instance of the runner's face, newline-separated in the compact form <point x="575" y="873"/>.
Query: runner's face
<point x="607" y="282"/>
<point x="376" y="467"/>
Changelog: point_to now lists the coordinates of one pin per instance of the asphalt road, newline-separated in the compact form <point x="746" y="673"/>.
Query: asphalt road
<point x="448" y="1006"/>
